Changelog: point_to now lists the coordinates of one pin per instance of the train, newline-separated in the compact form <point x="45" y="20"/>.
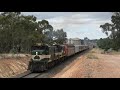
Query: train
<point x="44" y="57"/>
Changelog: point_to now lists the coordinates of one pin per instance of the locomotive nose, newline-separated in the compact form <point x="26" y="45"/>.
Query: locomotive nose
<point x="36" y="57"/>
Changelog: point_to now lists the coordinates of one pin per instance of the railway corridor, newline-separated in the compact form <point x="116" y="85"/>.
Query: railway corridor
<point x="88" y="64"/>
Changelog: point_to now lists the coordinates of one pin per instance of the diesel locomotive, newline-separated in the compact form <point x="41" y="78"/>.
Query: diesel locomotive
<point x="44" y="57"/>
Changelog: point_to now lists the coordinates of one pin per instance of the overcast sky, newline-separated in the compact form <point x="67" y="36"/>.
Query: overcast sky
<point x="76" y="24"/>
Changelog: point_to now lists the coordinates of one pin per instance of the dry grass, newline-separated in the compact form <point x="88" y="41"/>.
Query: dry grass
<point x="114" y="53"/>
<point x="110" y="53"/>
<point x="96" y="50"/>
<point x="91" y="56"/>
<point x="16" y="56"/>
<point x="92" y="51"/>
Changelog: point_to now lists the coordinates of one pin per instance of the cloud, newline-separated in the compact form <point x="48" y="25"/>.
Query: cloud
<point x="79" y="19"/>
<point x="65" y="19"/>
<point x="47" y="15"/>
<point x="76" y="24"/>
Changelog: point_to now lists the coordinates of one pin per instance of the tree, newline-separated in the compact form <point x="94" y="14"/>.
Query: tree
<point x="114" y="30"/>
<point x="105" y="43"/>
<point x="15" y="30"/>
<point x="60" y="36"/>
<point x="47" y="30"/>
<point x="19" y="32"/>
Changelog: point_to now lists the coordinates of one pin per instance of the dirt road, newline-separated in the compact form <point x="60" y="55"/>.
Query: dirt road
<point x="92" y="65"/>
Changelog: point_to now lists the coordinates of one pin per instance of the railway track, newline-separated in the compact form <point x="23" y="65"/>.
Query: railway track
<point x="32" y="75"/>
<point x="28" y="74"/>
<point x="22" y="74"/>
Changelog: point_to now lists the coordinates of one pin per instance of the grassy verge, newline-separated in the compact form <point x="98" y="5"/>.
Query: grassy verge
<point x="8" y="56"/>
<point x="91" y="54"/>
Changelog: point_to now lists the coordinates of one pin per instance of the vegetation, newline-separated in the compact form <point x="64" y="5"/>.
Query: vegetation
<point x="113" y="40"/>
<point x="19" y="32"/>
<point x="105" y="43"/>
<point x="60" y="36"/>
<point x="91" y="56"/>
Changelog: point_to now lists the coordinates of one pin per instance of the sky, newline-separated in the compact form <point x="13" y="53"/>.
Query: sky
<point x="76" y="24"/>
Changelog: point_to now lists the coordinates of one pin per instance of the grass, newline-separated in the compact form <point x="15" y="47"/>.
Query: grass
<point x="91" y="56"/>
<point x="111" y="52"/>
<point x="92" y="51"/>
<point x="101" y="51"/>
<point x="10" y="55"/>
<point x="115" y="53"/>
<point x="96" y="50"/>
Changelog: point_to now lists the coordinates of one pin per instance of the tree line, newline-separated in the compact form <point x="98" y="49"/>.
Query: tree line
<point x="112" y="30"/>
<point x="19" y="32"/>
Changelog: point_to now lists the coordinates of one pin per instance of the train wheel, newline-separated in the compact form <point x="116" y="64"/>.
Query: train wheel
<point x="42" y="68"/>
<point x="53" y="63"/>
<point x="60" y="60"/>
<point x="63" y="58"/>
<point x="31" y="68"/>
<point x="48" y="65"/>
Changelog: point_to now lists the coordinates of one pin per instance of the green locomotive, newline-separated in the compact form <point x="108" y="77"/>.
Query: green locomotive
<point x="45" y="56"/>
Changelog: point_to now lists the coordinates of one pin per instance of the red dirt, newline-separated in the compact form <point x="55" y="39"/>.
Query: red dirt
<point x="13" y="66"/>
<point x="106" y="66"/>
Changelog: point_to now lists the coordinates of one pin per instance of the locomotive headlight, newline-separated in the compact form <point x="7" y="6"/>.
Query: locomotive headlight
<point x="36" y="53"/>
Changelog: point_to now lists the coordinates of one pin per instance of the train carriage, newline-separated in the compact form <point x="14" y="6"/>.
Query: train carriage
<point x="77" y="48"/>
<point x="70" y="50"/>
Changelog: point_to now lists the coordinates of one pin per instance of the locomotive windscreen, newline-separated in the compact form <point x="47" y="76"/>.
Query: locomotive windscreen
<point x="40" y="50"/>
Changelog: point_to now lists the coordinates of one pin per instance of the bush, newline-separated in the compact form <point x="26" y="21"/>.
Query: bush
<point x="13" y="51"/>
<point x="91" y="56"/>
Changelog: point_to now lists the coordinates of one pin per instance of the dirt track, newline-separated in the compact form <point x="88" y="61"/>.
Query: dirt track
<point x="104" y="66"/>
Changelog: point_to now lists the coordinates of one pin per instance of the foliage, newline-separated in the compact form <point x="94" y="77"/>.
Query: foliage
<point x="91" y="56"/>
<point x="60" y="36"/>
<point x="113" y="40"/>
<point x="19" y="32"/>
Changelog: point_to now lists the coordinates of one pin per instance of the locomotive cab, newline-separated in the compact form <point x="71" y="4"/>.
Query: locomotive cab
<point x="39" y="52"/>
<point x="40" y="56"/>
